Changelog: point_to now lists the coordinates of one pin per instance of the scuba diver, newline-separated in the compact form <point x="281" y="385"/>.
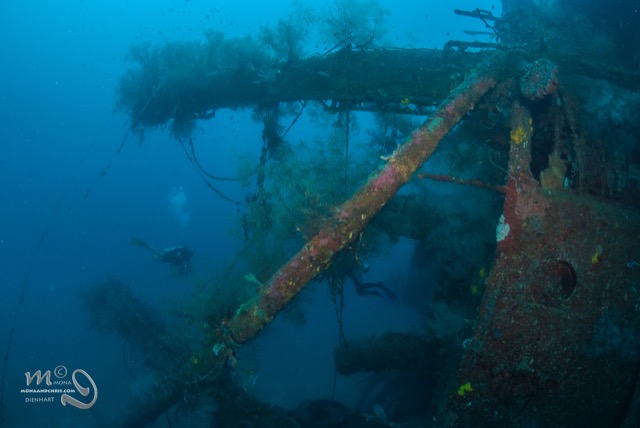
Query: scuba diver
<point x="347" y="265"/>
<point x="371" y="288"/>
<point x="179" y="256"/>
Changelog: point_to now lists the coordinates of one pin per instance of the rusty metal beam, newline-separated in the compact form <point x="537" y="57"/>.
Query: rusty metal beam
<point x="160" y="90"/>
<point x="351" y="218"/>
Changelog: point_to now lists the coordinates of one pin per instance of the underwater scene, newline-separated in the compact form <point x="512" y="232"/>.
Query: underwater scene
<point x="346" y="213"/>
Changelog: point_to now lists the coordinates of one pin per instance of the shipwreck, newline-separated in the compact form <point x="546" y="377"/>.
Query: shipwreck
<point x="554" y="318"/>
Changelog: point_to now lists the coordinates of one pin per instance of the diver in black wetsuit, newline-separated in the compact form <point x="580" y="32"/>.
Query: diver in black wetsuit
<point x="371" y="288"/>
<point x="347" y="265"/>
<point x="179" y="256"/>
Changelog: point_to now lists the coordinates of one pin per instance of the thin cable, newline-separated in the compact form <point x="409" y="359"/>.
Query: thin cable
<point x="346" y="153"/>
<point x="204" y="177"/>
<point x="104" y="170"/>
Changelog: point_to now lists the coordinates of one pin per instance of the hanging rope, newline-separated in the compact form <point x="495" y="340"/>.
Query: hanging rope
<point x="204" y="174"/>
<point x="339" y="305"/>
<point x="155" y="92"/>
<point x="295" y="119"/>
<point x="346" y="151"/>
<point x="194" y="159"/>
<point x="107" y="166"/>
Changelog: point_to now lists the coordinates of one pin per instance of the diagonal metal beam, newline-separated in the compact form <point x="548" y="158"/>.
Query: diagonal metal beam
<point x="351" y="217"/>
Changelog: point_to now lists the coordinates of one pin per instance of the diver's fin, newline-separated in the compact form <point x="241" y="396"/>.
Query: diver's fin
<point x="143" y="244"/>
<point x="139" y="243"/>
<point x="387" y="294"/>
<point x="376" y="289"/>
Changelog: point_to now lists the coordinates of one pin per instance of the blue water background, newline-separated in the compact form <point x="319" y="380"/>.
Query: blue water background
<point x="65" y="226"/>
